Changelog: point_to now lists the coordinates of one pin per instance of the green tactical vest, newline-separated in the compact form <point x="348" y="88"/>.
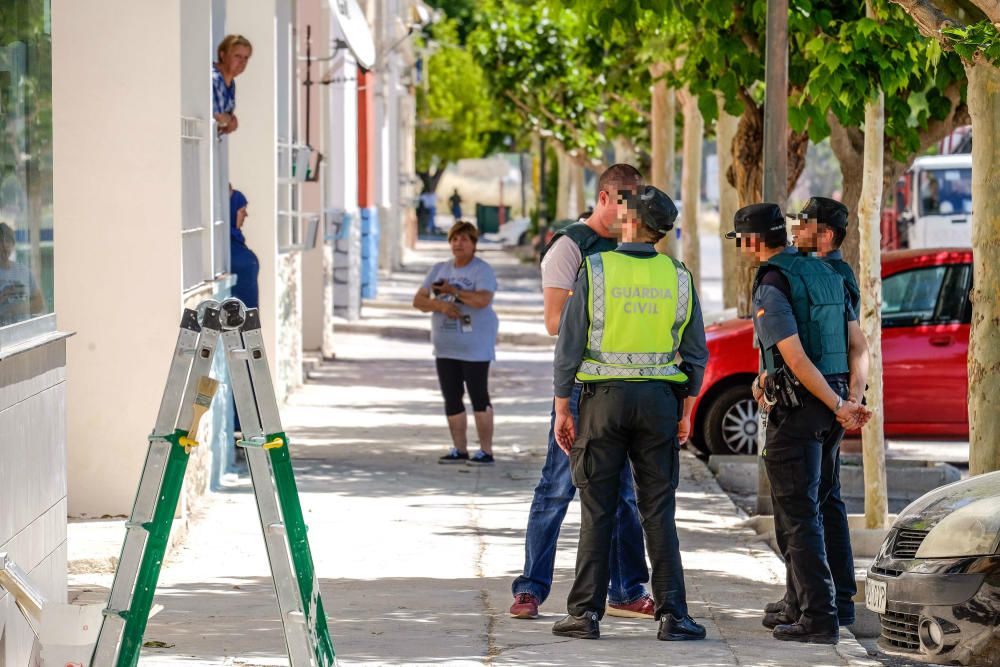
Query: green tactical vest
<point x="587" y="239"/>
<point x="819" y="310"/>
<point x="845" y="271"/>
<point x="638" y="308"/>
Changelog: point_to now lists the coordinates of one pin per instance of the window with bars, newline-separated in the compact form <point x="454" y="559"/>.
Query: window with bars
<point x="204" y="223"/>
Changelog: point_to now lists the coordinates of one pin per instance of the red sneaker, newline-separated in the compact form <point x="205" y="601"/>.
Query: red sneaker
<point x="641" y="608"/>
<point x="525" y="606"/>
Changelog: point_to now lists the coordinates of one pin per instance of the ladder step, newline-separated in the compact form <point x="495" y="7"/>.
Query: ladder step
<point x="277" y="528"/>
<point x="296" y="617"/>
<point x="120" y="613"/>
<point x="137" y="524"/>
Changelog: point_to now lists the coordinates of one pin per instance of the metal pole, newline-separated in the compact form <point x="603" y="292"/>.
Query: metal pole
<point x="775" y="161"/>
<point x="776" y="104"/>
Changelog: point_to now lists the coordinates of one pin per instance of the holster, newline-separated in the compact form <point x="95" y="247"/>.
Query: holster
<point x="784" y="388"/>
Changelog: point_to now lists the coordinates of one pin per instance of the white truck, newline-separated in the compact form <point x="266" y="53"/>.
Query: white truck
<point x="934" y="201"/>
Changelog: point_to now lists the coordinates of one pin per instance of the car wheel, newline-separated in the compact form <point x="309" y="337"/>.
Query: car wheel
<point x="731" y="422"/>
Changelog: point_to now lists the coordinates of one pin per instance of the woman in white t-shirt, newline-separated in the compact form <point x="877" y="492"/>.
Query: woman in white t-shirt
<point x="459" y="294"/>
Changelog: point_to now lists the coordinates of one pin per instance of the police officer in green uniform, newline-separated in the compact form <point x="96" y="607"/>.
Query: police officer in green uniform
<point x="819" y="230"/>
<point x="813" y="353"/>
<point x="632" y="332"/>
<point x="822" y="227"/>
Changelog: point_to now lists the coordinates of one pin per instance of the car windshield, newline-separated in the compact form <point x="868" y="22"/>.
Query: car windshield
<point x="925" y="512"/>
<point x="946" y="191"/>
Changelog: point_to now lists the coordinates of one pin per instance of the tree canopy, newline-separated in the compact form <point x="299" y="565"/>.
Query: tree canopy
<point x="455" y="114"/>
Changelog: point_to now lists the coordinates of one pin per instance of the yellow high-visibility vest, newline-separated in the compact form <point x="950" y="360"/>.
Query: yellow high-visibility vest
<point x="639" y="308"/>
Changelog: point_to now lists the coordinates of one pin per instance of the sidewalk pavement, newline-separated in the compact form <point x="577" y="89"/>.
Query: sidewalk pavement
<point x="415" y="559"/>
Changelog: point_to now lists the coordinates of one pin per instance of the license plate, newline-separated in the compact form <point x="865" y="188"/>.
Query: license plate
<point x="875" y="595"/>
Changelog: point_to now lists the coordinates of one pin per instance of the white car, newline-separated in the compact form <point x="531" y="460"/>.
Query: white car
<point x="513" y="232"/>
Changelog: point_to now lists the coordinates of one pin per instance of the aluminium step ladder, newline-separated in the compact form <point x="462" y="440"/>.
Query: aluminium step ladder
<point x="187" y="395"/>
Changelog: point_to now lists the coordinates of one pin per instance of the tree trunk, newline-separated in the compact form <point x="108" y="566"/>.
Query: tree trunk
<point x="870" y="277"/>
<point x="624" y="151"/>
<point x="577" y="201"/>
<point x="663" y="139"/>
<point x="848" y="144"/>
<point x="747" y="175"/>
<point x="725" y="132"/>
<point x="984" y="337"/>
<point x="563" y="184"/>
<point x="430" y="179"/>
<point x="694" y="132"/>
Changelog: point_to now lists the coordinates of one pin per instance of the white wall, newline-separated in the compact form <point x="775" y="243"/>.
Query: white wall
<point x="118" y="260"/>
<point x="253" y="154"/>
<point x="311" y="12"/>
<point x="32" y="483"/>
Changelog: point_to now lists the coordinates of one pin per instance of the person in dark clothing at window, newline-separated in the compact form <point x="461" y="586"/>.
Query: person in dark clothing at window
<point x="243" y="261"/>
<point x="244" y="265"/>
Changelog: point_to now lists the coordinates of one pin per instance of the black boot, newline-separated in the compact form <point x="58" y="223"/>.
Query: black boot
<point x="796" y="632"/>
<point x="673" y="629"/>
<point x="774" y="607"/>
<point x="775" y="618"/>
<point x="585" y="626"/>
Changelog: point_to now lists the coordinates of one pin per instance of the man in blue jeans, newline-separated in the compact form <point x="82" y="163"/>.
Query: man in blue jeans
<point x="561" y="261"/>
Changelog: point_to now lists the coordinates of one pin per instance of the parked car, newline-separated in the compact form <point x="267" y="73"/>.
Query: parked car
<point x="926" y="313"/>
<point x="935" y="583"/>
<point x="512" y="233"/>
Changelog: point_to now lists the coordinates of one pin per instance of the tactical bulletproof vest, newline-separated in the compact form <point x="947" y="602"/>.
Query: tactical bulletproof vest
<point x="638" y="307"/>
<point x="817" y="296"/>
<point x="845" y="271"/>
<point x="585" y="238"/>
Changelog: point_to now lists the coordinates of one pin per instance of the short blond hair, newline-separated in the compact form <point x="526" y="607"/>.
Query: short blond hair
<point x="230" y="41"/>
<point x="464" y="227"/>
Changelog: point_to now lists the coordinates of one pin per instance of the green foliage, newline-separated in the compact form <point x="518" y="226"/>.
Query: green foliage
<point x="455" y="116"/>
<point x="27" y="54"/>
<point x="851" y="57"/>
<point x="462" y="12"/>
<point x="559" y="77"/>
<point x="979" y="40"/>
<point x="838" y="59"/>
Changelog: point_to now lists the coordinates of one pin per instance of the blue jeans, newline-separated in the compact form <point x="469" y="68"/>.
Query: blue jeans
<point x="552" y="497"/>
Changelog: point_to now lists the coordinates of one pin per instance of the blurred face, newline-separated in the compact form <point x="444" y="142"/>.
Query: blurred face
<point x="811" y="236"/>
<point x="750" y="245"/>
<point x="241" y="216"/>
<point x="235" y="60"/>
<point x="618" y="209"/>
<point x="462" y="247"/>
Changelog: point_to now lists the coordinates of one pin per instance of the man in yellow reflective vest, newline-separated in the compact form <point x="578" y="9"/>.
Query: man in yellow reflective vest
<point x="632" y="332"/>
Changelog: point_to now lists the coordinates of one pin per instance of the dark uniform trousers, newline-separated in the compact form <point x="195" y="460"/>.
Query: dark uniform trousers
<point x="802" y="458"/>
<point x="622" y="421"/>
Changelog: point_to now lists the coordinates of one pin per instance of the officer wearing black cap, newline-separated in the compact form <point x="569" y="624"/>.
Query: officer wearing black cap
<point x="812" y="349"/>
<point x="632" y="313"/>
<point x="819" y="229"/>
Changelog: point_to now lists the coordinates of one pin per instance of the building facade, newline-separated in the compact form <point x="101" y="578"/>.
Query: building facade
<point x="114" y="216"/>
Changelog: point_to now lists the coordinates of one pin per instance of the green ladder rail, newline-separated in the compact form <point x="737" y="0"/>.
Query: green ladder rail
<point x="303" y="619"/>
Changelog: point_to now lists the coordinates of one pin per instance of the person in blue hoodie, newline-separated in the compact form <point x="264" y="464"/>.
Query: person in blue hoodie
<point x="244" y="265"/>
<point x="243" y="261"/>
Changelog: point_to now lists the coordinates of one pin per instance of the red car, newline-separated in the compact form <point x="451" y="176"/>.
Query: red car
<point x="926" y="313"/>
